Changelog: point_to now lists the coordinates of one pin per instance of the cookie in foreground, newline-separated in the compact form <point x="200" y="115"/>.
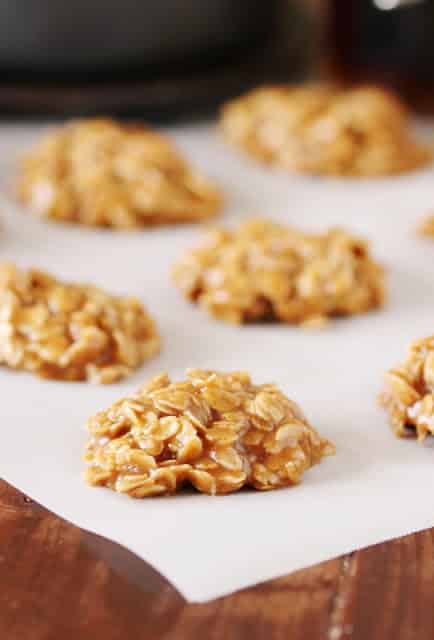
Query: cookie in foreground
<point x="70" y="331"/>
<point x="102" y="173"/>
<point x="409" y="394"/>
<point x="320" y="129"/>
<point x="266" y="271"/>
<point x="214" y="431"/>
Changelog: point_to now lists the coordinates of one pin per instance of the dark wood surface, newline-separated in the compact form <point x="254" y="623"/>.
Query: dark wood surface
<point x="60" y="583"/>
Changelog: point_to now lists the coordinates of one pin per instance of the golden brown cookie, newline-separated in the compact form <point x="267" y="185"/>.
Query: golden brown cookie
<point x="70" y="331"/>
<point x="323" y="130"/>
<point x="102" y="173"/>
<point x="217" y="432"/>
<point x="409" y="395"/>
<point x="426" y="227"/>
<point x="265" y="271"/>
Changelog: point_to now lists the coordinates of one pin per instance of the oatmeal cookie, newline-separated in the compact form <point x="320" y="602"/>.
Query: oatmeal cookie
<point x="265" y="271"/>
<point x="426" y="227"/>
<point x="70" y="331"/>
<point x="217" y="432"/>
<point x="102" y="173"/>
<point x="323" y="130"/>
<point x="409" y="394"/>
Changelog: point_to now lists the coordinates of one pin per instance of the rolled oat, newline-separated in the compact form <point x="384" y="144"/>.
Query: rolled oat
<point x="217" y="432"/>
<point x="70" y="331"/>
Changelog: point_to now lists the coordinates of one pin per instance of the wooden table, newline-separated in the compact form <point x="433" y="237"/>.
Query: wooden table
<point x="60" y="583"/>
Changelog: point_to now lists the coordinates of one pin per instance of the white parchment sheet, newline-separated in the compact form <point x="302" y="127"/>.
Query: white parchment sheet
<point x="375" y="488"/>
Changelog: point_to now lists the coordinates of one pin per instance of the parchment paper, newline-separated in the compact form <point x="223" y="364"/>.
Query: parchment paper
<point x="375" y="488"/>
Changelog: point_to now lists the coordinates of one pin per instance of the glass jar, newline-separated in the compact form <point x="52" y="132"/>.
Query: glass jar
<point x="388" y="42"/>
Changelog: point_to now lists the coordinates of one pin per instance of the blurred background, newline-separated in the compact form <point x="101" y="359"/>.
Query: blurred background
<point x="166" y="59"/>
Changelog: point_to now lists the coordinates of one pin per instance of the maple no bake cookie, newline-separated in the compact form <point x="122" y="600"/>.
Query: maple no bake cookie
<point x="409" y="395"/>
<point x="323" y="130"/>
<point x="217" y="432"/>
<point x="102" y="173"/>
<point x="426" y="227"/>
<point x="265" y="271"/>
<point x="70" y="331"/>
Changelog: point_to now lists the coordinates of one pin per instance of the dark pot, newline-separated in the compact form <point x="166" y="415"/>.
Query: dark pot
<point x="99" y="35"/>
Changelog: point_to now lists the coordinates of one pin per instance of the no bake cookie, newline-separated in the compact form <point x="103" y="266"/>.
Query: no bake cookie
<point x="103" y="173"/>
<point x="409" y="394"/>
<point x="70" y="331"/>
<point x="426" y="226"/>
<point x="323" y="130"/>
<point x="217" y="432"/>
<point x="266" y="271"/>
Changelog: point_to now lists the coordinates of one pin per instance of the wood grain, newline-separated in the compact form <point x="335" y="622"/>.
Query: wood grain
<point x="60" y="583"/>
